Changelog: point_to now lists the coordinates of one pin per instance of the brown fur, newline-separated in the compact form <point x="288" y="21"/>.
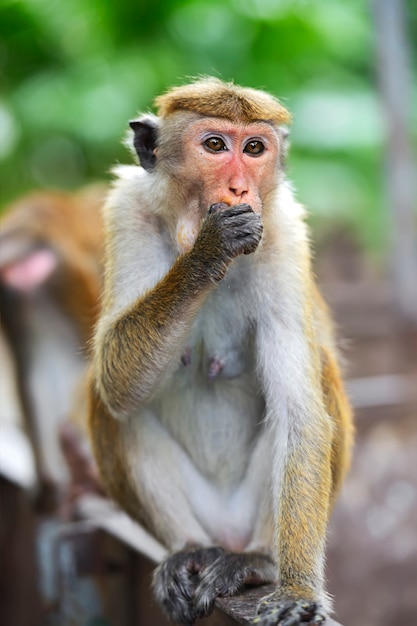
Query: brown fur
<point x="211" y="97"/>
<point x="338" y="407"/>
<point x="108" y="448"/>
<point x="70" y="224"/>
<point x="70" y="227"/>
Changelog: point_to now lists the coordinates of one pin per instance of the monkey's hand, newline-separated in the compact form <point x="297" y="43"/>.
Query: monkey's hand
<point x="225" y="234"/>
<point x="278" y="610"/>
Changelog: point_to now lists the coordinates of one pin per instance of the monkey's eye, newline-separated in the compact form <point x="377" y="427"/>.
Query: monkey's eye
<point x="215" y="144"/>
<point x="254" y="147"/>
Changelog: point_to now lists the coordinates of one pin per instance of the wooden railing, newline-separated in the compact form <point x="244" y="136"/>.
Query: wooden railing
<point x="242" y="608"/>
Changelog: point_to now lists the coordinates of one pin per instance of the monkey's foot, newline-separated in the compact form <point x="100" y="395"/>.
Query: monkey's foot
<point x="275" y="610"/>
<point x="175" y="582"/>
<point x="228" y="574"/>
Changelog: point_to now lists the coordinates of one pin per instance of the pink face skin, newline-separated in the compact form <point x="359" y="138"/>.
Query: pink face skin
<point x="230" y="163"/>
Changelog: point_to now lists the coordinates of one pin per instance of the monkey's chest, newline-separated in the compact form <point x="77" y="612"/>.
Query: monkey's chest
<point x="220" y="344"/>
<point x="212" y="404"/>
<point x="208" y="358"/>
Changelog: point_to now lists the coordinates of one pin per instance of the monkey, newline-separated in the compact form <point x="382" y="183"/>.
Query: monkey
<point x="16" y="456"/>
<point x="50" y="282"/>
<point x="218" y="416"/>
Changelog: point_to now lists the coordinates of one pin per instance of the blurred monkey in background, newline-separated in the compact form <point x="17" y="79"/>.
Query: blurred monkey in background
<point x="50" y="281"/>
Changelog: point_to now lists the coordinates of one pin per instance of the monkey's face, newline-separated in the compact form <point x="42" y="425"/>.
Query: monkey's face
<point x="226" y="162"/>
<point x="231" y="162"/>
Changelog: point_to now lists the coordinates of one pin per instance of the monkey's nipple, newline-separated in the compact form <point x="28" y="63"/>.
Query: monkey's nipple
<point x="186" y="357"/>
<point x="215" y="368"/>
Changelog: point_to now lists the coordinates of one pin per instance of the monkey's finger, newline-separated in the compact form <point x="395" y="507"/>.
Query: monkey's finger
<point x="250" y="242"/>
<point x="217" y="206"/>
<point x="293" y="620"/>
<point x="289" y="613"/>
<point x="247" y="234"/>
<point x="203" y="557"/>
<point x="232" y="210"/>
<point x="237" y="209"/>
<point x="243" y="221"/>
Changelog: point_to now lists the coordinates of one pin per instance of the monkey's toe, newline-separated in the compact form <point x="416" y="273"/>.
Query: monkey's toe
<point x="228" y="575"/>
<point x="176" y="579"/>
<point x="174" y="588"/>
<point x="275" y="611"/>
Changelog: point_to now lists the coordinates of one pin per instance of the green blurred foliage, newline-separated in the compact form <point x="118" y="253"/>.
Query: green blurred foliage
<point x="73" y="72"/>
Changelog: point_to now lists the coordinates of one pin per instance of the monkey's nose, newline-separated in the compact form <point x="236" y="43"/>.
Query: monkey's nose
<point x="238" y="192"/>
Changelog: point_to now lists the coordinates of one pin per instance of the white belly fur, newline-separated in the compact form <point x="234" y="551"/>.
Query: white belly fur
<point x="217" y="422"/>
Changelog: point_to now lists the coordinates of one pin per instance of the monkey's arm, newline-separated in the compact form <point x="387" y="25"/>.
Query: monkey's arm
<point x="134" y="352"/>
<point x="291" y="368"/>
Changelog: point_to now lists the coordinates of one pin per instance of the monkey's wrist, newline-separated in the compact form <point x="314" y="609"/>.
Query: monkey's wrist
<point x="208" y="268"/>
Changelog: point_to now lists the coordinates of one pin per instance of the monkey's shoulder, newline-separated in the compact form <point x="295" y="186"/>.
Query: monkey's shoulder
<point x="135" y="193"/>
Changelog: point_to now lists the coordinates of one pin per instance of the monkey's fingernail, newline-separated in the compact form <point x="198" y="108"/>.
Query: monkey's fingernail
<point x="218" y="206"/>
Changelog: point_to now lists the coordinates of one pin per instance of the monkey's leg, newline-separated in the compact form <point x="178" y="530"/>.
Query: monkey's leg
<point x="275" y="609"/>
<point x="82" y="469"/>
<point x="303" y="505"/>
<point x="158" y="465"/>
<point x="155" y="467"/>
<point x="187" y="583"/>
<point x="142" y="468"/>
<point x="302" y="475"/>
<point x="231" y="571"/>
<point x="339" y="409"/>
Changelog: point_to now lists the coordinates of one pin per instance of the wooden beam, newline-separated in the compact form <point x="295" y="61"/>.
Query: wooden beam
<point x="242" y="608"/>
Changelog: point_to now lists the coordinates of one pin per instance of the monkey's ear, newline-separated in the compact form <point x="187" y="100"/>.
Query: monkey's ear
<point x="145" y="138"/>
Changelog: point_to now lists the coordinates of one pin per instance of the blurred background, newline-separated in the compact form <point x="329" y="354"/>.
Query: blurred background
<point x="73" y="72"/>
